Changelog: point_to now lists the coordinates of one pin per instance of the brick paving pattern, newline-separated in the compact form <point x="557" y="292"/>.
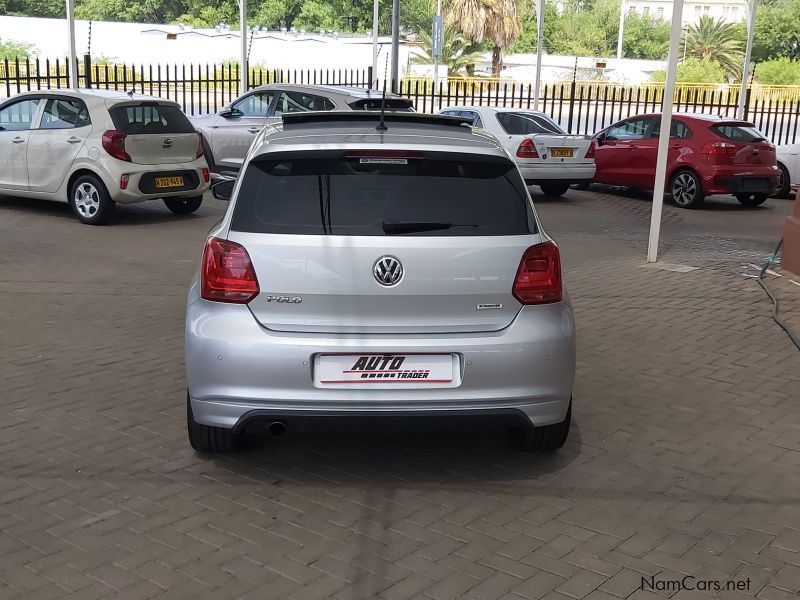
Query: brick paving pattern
<point x="684" y="458"/>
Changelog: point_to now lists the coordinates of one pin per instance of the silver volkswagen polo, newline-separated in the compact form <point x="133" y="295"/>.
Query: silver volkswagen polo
<point x="378" y="266"/>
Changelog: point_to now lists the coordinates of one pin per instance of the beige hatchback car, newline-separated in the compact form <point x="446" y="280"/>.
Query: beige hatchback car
<point x="97" y="148"/>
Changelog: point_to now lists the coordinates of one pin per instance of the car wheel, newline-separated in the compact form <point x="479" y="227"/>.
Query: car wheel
<point x="183" y="206"/>
<point x="90" y="201"/>
<point x="541" y="439"/>
<point x="751" y="199"/>
<point x="206" y="439"/>
<point x="686" y="189"/>
<point x="554" y="190"/>
<point x="785" y="189"/>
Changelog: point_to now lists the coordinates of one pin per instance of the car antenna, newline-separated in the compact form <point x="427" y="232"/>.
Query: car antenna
<point x="131" y="92"/>
<point x="382" y="125"/>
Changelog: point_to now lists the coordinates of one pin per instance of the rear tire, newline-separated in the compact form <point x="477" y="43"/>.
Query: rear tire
<point x="785" y="189"/>
<point x="183" y="206"/>
<point x="751" y="199"/>
<point x="541" y="439"/>
<point x="554" y="190"/>
<point x="686" y="189"/>
<point x="90" y="201"/>
<point x="206" y="439"/>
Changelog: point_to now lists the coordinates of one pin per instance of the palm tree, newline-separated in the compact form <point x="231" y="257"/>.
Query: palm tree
<point x="715" y="40"/>
<point x="495" y="20"/>
<point x="457" y="53"/>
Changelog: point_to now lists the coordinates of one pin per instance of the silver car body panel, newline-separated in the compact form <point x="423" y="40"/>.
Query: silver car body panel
<point x="455" y="299"/>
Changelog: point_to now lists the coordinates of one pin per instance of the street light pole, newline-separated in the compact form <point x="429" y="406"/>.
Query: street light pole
<point x="243" y="32"/>
<point x="663" y="134"/>
<point x="753" y="7"/>
<point x="437" y="42"/>
<point x="73" y="55"/>
<point x="539" y="45"/>
<point x="375" y="7"/>
<point x="621" y="28"/>
<point x="395" y="74"/>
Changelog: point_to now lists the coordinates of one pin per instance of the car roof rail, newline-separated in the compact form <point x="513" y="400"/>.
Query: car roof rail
<point x="370" y="116"/>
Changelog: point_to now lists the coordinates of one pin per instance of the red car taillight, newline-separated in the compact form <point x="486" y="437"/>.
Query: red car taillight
<point x="200" y="150"/>
<point x="719" y="149"/>
<point x="538" y="279"/>
<point x="227" y="274"/>
<point x="527" y="149"/>
<point x="114" y="144"/>
<point x="206" y="175"/>
<point x="590" y="151"/>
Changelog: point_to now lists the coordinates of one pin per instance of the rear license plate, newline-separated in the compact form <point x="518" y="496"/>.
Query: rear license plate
<point x="168" y="182"/>
<point x="385" y="368"/>
<point x="755" y="184"/>
<point x="561" y="152"/>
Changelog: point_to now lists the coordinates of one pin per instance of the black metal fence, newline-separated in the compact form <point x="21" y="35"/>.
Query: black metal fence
<point x="580" y="107"/>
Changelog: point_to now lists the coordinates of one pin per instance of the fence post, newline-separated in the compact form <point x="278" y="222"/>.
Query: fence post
<point x="87" y="68"/>
<point x="572" y="88"/>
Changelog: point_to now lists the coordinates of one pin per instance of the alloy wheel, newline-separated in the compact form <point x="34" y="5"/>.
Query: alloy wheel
<point x="684" y="189"/>
<point x="87" y="200"/>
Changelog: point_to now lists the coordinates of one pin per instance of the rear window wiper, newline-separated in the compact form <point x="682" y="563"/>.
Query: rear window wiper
<point x="394" y="227"/>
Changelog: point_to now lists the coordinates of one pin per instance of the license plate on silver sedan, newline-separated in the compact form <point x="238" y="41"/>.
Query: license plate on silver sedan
<point x="385" y="368"/>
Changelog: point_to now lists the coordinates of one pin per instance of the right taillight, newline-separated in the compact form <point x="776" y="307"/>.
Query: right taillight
<point x="538" y="279"/>
<point x="527" y="149"/>
<point x="200" y="148"/>
<point x="227" y="274"/>
<point x="719" y="149"/>
<point x="114" y="144"/>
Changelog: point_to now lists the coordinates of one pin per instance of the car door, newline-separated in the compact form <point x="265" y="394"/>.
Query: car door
<point x="61" y="133"/>
<point x="16" y="119"/>
<point x="645" y="152"/>
<point x="614" y="156"/>
<point x="236" y="127"/>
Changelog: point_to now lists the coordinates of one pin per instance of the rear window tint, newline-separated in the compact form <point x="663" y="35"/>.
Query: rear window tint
<point x="359" y="197"/>
<point x="527" y="124"/>
<point x="391" y="104"/>
<point x="150" y="118"/>
<point x="738" y="133"/>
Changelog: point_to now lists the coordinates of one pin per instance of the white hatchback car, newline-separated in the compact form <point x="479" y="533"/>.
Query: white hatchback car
<point x="546" y="155"/>
<point x="94" y="148"/>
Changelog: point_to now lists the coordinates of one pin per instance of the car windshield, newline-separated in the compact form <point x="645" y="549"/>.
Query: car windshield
<point x="527" y="124"/>
<point x="738" y="132"/>
<point x="383" y="196"/>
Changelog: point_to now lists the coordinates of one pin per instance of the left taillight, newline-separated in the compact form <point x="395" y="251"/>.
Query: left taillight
<point x="200" y="149"/>
<point x="527" y="149"/>
<point x="114" y="144"/>
<point x="590" y="151"/>
<point x="227" y="273"/>
<point x="538" y="279"/>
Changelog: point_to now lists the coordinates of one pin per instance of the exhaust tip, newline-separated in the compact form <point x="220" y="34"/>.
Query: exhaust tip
<point x="276" y="428"/>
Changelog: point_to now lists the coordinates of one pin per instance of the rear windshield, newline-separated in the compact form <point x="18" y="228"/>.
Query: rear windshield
<point x="527" y="124"/>
<point x="150" y="118"/>
<point x="738" y="133"/>
<point x="391" y="104"/>
<point x="381" y="196"/>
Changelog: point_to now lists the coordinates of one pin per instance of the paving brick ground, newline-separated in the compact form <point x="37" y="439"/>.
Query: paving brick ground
<point x="684" y="458"/>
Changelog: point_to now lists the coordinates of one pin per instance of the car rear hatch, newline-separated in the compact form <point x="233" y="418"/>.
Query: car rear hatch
<point x="155" y="132"/>
<point x="745" y="144"/>
<point x="535" y="137"/>
<point x="361" y="242"/>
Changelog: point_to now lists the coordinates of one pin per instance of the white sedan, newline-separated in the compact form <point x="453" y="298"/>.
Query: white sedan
<point x="96" y="148"/>
<point x="789" y="164"/>
<point x="546" y="155"/>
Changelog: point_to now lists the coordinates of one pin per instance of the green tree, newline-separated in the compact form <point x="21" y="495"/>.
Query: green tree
<point x="34" y="8"/>
<point x="695" y="70"/>
<point x="645" y="37"/>
<point x="530" y="32"/>
<point x="781" y="71"/>
<point x="495" y="21"/>
<point x="13" y="49"/>
<point x="142" y="11"/>
<point x="777" y="30"/>
<point x="457" y="53"/>
<point x="714" y="40"/>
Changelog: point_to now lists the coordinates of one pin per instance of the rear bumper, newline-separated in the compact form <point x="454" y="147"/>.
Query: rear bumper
<point x="735" y="180"/>
<point x="548" y="173"/>
<point x="140" y="181"/>
<point x="237" y="370"/>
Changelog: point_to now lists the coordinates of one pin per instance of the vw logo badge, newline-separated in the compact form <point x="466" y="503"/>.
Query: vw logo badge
<point x="388" y="271"/>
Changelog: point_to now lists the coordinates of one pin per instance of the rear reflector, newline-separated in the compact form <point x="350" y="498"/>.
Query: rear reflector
<point x="206" y="175"/>
<point x="527" y="149"/>
<point x="123" y="182"/>
<point x="114" y="144"/>
<point x="227" y="274"/>
<point x="538" y="278"/>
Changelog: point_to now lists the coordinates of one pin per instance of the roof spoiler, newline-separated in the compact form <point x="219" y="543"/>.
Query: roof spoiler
<point x="370" y="117"/>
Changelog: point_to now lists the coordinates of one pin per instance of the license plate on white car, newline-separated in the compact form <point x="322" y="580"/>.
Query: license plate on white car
<point x="385" y="368"/>
<point x="561" y="152"/>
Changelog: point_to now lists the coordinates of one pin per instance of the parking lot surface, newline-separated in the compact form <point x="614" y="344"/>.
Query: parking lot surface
<point x="684" y="458"/>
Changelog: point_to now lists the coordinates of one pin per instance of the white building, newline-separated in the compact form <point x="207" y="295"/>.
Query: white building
<point x="727" y="10"/>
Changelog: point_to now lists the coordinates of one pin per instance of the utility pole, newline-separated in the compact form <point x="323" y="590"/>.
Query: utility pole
<point x="438" y="39"/>
<point x="243" y="38"/>
<point x="621" y="28"/>
<point x="73" y="55"/>
<point x="375" y="8"/>
<point x="752" y="8"/>
<point x="539" y="46"/>
<point x="395" y="73"/>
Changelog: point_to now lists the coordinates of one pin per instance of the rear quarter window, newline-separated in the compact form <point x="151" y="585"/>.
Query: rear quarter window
<point x="150" y="118"/>
<point x="353" y="196"/>
<point x="526" y="124"/>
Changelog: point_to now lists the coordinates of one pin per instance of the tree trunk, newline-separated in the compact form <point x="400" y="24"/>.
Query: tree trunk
<point x="497" y="61"/>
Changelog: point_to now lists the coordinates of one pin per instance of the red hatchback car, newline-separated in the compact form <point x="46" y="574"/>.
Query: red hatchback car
<point x="707" y="155"/>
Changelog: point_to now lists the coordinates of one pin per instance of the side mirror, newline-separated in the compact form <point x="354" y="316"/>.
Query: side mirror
<point x="228" y="113"/>
<point x="223" y="190"/>
<point x="600" y="139"/>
